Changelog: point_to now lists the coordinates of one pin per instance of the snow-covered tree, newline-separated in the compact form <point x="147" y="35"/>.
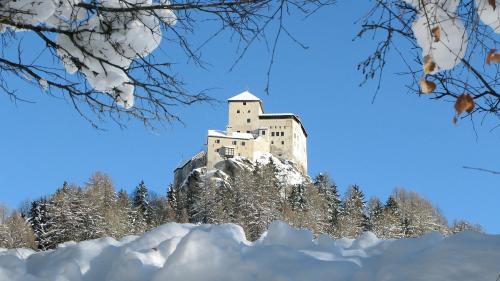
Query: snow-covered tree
<point x="100" y="192"/>
<point x="450" y="50"/>
<point x="141" y="207"/>
<point x="40" y="222"/>
<point x="15" y="232"/>
<point x="463" y="225"/>
<point x="419" y="215"/>
<point x="329" y="191"/>
<point x="108" y="53"/>
<point x="353" y="220"/>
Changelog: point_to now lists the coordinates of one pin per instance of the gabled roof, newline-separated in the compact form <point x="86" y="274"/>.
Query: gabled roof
<point x="244" y="96"/>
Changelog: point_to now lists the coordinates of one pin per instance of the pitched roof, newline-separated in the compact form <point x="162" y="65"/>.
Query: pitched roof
<point x="244" y="96"/>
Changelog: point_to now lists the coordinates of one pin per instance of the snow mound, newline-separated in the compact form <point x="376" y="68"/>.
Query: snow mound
<point x="221" y="252"/>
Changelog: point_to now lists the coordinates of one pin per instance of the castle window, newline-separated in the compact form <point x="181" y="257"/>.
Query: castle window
<point x="235" y="142"/>
<point x="238" y="111"/>
<point x="243" y="143"/>
<point x="263" y="133"/>
<point x="244" y="103"/>
<point x="217" y="141"/>
<point x="272" y="142"/>
<point x="248" y="132"/>
<point x="282" y="142"/>
<point x="272" y="134"/>
<point x="282" y="134"/>
<point x="249" y="111"/>
<point x="248" y="120"/>
<point x="237" y="131"/>
<point x="217" y="150"/>
<point x="280" y="155"/>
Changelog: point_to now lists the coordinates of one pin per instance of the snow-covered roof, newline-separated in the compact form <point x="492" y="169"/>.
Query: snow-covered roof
<point x="244" y="96"/>
<point x="277" y="114"/>
<point x="230" y="135"/>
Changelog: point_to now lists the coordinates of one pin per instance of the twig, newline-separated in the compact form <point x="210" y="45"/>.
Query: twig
<point x="488" y="171"/>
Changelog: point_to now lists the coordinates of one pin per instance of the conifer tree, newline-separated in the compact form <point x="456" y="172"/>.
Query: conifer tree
<point x="297" y="197"/>
<point x="40" y="222"/>
<point x="142" y="208"/>
<point x="329" y="191"/>
<point x="353" y="220"/>
<point x="125" y="214"/>
<point x="375" y="211"/>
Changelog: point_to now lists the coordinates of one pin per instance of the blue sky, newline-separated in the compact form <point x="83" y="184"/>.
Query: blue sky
<point x="399" y="141"/>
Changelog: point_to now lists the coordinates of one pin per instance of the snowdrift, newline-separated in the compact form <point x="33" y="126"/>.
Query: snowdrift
<point x="221" y="252"/>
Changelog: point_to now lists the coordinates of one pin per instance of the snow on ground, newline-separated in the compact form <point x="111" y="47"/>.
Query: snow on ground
<point x="221" y="252"/>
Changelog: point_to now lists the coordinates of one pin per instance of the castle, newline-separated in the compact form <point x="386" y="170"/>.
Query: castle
<point x="251" y="133"/>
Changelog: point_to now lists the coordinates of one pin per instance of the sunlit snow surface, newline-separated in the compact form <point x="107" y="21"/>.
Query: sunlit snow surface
<point x="221" y="252"/>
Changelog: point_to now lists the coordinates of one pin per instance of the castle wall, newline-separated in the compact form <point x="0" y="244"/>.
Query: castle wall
<point x="181" y="173"/>
<point x="242" y="147"/>
<point x="299" y="149"/>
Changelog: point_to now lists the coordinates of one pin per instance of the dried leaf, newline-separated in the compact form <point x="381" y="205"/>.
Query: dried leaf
<point x="493" y="4"/>
<point x="436" y="33"/>
<point x="429" y="64"/>
<point x="427" y="87"/>
<point x="464" y="103"/>
<point x="493" y="56"/>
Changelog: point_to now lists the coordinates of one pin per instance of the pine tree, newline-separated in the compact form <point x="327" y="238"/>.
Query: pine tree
<point x="353" y="220"/>
<point x="375" y="211"/>
<point x="297" y="197"/>
<point x="142" y="208"/>
<point x="40" y="222"/>
<point x="329" y="191"/>
<point x="125" y="214"/>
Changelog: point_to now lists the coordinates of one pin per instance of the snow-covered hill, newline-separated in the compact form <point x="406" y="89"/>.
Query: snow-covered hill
<point x="286" y="172"/>
<point x="220" y="252"/>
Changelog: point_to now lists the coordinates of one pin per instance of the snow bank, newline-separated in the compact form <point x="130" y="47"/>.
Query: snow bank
<point x="221" y="252"/>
